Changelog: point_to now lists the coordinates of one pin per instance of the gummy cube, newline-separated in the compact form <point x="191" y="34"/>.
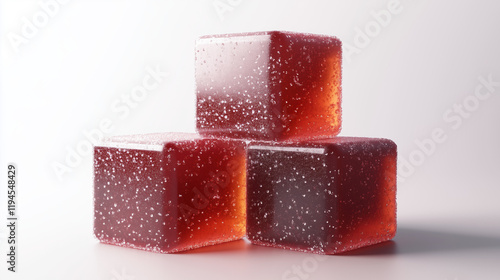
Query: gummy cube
<point x="268" y="85"/>
<point x="324" y="196"/>
<point x="169" y="192"/>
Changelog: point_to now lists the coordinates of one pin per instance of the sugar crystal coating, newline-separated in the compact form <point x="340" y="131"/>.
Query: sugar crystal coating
<point x="169" y="192"/>
<point x="268" y="85"/>
<point x="324" y="196"/>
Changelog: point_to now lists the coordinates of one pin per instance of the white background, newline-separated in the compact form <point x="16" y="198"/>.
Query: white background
<point x="61" y="78"/>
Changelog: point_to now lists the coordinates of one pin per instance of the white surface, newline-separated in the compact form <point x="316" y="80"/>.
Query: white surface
<point x="81" y="74"/>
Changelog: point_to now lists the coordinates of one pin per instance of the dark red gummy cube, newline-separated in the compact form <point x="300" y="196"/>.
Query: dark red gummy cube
<point x="268" y="85"/>
<point x="169" y="192"/>
<point x="324" y="196"/>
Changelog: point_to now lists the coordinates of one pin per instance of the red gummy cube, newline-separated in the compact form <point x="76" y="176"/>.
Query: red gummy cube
<point x="268" y="85"/>
<point x="169" y="192"/>
<point x="324" y="196"/>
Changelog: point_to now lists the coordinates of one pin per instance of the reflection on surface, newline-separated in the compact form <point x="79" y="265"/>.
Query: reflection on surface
<point x="407" y="241"/>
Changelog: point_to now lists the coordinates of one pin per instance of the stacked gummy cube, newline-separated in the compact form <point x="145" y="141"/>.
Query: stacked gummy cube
<point x="266" y="164"/>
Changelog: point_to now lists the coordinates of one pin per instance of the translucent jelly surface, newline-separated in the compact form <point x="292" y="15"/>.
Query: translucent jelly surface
<point x="169" y="192"/>
<point x="269" y="85"/>
<point x="324" y="196"/>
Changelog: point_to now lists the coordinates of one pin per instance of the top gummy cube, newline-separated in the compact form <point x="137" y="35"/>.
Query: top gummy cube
<point x="268" y="85"/>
